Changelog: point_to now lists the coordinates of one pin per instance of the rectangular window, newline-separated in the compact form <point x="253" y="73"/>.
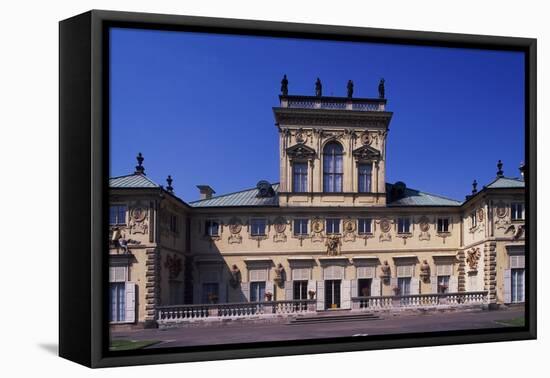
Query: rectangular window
<point x="443" y="284"/>
<point x="517" y="211"/>
<point x="365" y="177"/>
<point x="210" y="292"/>
<point x="117" y="214"/>
<point x="403" y="225"/>
<point x="518" y="284"/>
<point x="299" y="177"/>
<point x="300" y="290"/>
<point x="118" y="302"/>
<point x="257" y="291"/>
<point x="404" y="285"/>
<point x="333" y="225"/>
<point x="473" y="219"/>
<point x="442" y="225"/>
<point x="257" y="226"/>
<point x="364" y="226"/>
<point x="174" y="223"/>
<point x="405" y="270"/>
<point x="363" y="287"/>
<point x="300" y="227"/>
<point x="211" y="228"/>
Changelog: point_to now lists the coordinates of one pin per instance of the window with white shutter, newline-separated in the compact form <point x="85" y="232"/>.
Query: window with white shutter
<point x="365" y="271"/>
<point x="405" y="270"/>
<point x="444" y="269"/>
<point x="118" y="273"/>
<point x="517" y="261"/>
<point x="257" y="275"/>
<point x="301" y="274"/>
<point x="333" y="272"/>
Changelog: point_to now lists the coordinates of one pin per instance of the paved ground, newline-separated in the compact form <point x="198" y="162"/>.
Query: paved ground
<point x="241" y="332"/>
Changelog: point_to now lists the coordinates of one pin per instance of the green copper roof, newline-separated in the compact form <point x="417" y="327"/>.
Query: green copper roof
<point x="247" y="197"/>
<point x="132" y="181"/>
<point x="506" y="182"/>
<point x="250" y="197"/>
<point x="413" y="197"/>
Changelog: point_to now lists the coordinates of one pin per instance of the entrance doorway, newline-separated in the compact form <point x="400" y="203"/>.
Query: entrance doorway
<point x="332" y="294"/>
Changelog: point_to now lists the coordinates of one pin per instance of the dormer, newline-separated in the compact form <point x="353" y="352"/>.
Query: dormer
<point x="332" y="149"/>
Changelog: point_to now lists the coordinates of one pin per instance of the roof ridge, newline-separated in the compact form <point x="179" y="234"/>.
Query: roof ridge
<point x="440" y="196"/>
<point x="137" y="176"/>
<point x="431" y="194"/>
<point x="229" y="194"/>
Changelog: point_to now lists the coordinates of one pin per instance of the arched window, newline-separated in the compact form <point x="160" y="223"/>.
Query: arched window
<point x="332" y="167"/>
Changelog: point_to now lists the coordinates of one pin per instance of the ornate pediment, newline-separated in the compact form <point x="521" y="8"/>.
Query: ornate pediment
<point x="300" y="151"/>
<point x="366" y="152"/>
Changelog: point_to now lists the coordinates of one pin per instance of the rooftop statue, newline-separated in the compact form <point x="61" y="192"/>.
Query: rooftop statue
<point x="350" y="89"/>
<point x="284" y="86"/>
<point x="381" y="89"/>
<point x="318" y="88"/>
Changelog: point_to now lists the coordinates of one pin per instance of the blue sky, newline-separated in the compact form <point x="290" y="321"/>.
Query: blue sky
<point x="199" y="107"/>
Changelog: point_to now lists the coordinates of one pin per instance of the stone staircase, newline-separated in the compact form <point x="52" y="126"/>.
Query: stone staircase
<point x="331" y="317"/>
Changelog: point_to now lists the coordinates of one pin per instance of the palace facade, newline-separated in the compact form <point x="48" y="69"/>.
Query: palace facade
<point x="331" y="235"/>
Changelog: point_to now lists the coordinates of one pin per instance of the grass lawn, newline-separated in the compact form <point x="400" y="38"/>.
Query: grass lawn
<point x="516" y="322"/>
<point x="118" y="345"/>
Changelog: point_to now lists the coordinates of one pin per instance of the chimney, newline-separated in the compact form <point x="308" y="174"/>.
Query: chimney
<point x="206" y="191"/>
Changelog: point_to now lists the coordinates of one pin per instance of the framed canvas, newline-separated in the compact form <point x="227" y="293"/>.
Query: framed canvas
<point x="325" y="232"/>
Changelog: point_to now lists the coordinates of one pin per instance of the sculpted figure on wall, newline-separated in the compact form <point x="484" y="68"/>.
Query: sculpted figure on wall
<point x="472" y="258"/>
<point x="235" y="278"/>
<point x="279" y="275"/>
<point x="174" y="265"/>
<point x="333" y="244"/>
<point x="425" y="271"/>
<point x="386" y="272"/>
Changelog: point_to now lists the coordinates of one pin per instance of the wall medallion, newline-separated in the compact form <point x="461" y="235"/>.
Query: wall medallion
<point x="501" y="210"/>
<point x="280" y="227"/>
<point x="385" y="225"/>
<point x="480" y="215"/>
<point x="349" y="230"/>
<point x="366" y="138"/>
<point x="424" y="225"/>
<point x="385" y="228"/>
<point x="235" y="228"/>
<point x="137" y="220"/>
<point x="300" y="136"/>
<point x="317" y="225"/>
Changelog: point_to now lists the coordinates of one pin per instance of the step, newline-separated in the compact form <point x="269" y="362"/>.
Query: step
<point x="335" y="318"/>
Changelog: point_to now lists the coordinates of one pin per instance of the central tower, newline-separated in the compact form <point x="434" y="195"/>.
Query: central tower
<point x="332" y="149"/>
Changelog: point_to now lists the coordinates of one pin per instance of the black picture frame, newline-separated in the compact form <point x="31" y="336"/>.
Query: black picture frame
<point x="83" y="112"/>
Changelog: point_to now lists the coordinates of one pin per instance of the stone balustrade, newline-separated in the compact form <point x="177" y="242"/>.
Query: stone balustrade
<point x="419" y="301"/>
<point x="333" y="103"/>
<point x="189" y="313"/>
